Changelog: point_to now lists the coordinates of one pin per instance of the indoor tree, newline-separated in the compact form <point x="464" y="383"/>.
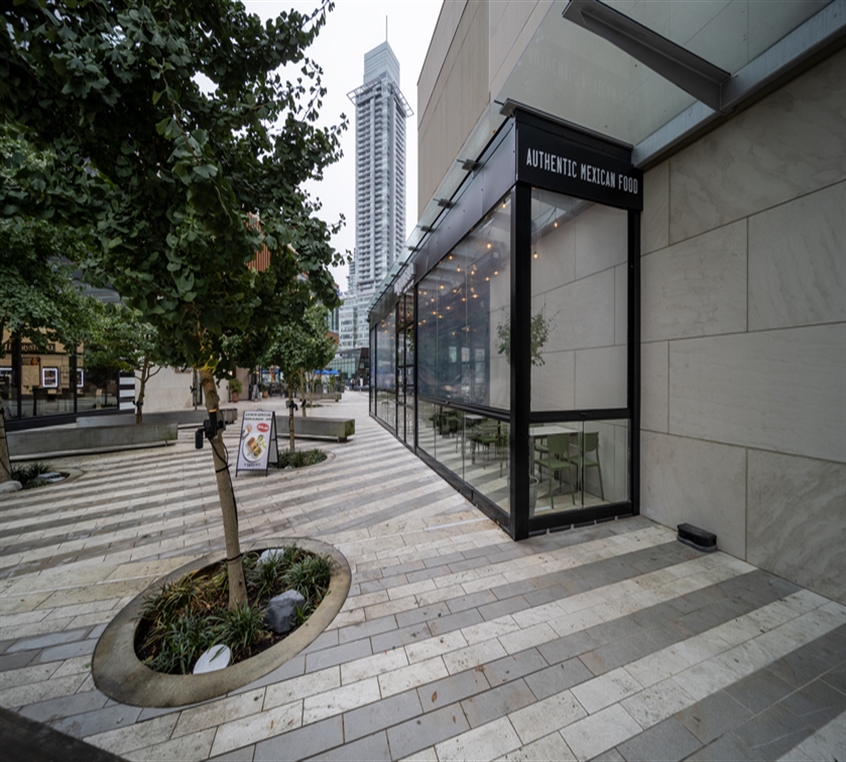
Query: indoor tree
<point x="177" y="135"/>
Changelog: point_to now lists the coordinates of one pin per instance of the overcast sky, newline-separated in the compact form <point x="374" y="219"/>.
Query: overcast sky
<point x="353" y="28"/>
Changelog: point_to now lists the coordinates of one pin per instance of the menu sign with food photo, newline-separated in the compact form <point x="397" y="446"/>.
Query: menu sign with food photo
<point x="258" y="445"/>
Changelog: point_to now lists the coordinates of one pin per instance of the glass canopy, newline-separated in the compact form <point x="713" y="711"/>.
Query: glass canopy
<point x="575" y="75"/>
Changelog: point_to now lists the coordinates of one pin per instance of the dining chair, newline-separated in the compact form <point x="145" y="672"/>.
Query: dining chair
<point x="580" y="460"/>
<point x="556" y="458"/>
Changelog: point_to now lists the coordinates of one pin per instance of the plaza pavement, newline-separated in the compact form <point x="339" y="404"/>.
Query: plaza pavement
<point x="606" y="642"/>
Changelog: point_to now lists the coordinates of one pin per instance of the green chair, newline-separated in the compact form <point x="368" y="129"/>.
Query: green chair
<point x="484" y="435"/>
<point x="556" y="458"/>
<point x="580" y="460"/>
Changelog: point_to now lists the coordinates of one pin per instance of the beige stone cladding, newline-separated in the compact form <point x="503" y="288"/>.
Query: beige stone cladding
<point x="744" y="333"/>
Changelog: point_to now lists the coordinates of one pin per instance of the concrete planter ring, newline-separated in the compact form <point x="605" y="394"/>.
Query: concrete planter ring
<point x="121" y="676"/>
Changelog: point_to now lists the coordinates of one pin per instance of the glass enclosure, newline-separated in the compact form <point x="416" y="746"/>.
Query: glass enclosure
<point x="516" y="376"/>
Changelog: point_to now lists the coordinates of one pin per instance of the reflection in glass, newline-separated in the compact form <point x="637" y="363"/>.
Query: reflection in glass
<point x="579" y="331"/>
<point x="460" y="303"/>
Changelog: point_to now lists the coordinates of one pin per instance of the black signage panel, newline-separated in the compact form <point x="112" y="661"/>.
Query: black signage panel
<point x="554" y="163"/>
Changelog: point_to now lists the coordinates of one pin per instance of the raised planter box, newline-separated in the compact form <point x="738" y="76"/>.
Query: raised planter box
<point x="322" y="428"/>
<point x="179" y="417"/>
<point x="44" y="443"/>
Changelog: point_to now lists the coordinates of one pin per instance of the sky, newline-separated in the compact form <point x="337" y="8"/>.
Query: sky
<point x="353" y="28"/>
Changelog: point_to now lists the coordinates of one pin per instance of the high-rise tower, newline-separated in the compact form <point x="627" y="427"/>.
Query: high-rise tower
<point x="380" y="114"/>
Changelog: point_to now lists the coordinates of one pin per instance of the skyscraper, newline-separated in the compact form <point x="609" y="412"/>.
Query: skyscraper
<point x="380" y="114"/>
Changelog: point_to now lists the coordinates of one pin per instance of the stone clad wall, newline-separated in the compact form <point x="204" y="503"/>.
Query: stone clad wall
<point x="744" y="333"/>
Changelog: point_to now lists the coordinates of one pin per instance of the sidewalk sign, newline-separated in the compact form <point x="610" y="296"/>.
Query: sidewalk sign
<point x="258" y="444"/>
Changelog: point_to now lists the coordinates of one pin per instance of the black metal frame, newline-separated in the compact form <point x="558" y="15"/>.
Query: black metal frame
<point x="483" y="189"/>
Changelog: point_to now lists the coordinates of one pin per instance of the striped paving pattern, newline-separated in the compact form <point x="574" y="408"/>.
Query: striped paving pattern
<point x="610" y="642"/>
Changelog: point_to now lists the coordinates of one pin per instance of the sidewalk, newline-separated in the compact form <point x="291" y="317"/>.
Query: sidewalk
<point x="611" y="642"/>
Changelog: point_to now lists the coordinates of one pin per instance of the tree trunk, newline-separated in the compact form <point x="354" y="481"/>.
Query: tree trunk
<point x="5" y="464"/>
<point x="234" y="567"/>
<point x="142" y="387"/>
<point x="305" y="392"/>
<point x="291" y="444"/>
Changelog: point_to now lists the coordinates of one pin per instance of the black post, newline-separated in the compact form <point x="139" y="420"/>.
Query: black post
<point x="521" y="357"/>
<point x="634" y="358"/>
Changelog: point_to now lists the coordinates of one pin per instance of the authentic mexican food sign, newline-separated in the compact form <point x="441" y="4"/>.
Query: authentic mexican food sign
<point x="548" y="161"/>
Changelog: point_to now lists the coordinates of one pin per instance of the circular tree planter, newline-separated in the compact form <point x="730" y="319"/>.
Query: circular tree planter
<point x="121" y="676"/>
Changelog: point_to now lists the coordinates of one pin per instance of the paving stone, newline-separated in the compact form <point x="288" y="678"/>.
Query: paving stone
<point x="380" y="715"/>
<point x="713" y="716"/>
<point x="244" y="754"/>
<point x="69" y="651"/>
<point x="514" y="666"/>
<point x="567" y="647"/>
<point x="452" y="622"/>
<point x="836" y="678"/>
<point x="46" y="641"/>
<point x="399" y="638"/>
<point x="294" y="667"/>
<point x="817" y="703"/>
<point x="759" y="690"/>
<point x="773" y="733"/>
<point x="327" y="639"/>
<point x="98" y="721"/>
<point x="558" y="678"/>
<point x="474" y="600"/>
<point x="329" y="657"/>
<point x="366" y="629"/>
<point x="497" y="702"/>
<point x="424" y="614"/>
<point x="614" y="655"/>
<point x="450" y="690"/>
<point x="803" y="665"/>
<point x="66" y="706"/>
<point x="668" y="741"/>
<point x="301" y="743"/>
<point x="16" y="660"/>
<point x="428" y="730"/>
<point x="372" y="748"/>
<point x="503" y="608"/>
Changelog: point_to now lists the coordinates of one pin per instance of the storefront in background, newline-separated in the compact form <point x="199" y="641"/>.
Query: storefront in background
<point x="40" y="387"/>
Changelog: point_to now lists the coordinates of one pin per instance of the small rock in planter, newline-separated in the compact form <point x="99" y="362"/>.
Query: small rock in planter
<point x="270" y="555"/>
<point x="281" y="614"/>
<point x="10" y="486"/>
<point x="217" y="657"/>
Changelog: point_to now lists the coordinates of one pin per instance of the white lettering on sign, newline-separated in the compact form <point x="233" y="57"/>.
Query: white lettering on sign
<point x="589" y="173"/>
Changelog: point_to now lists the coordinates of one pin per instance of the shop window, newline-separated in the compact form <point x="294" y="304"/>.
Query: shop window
<point x="579" y="286"/>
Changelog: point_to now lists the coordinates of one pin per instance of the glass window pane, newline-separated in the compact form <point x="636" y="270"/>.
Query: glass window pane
<point x="579" y="465"/>
<point x="460" y="304"/>
<point x="486" y="457"/>
<point x="579" y="299"/>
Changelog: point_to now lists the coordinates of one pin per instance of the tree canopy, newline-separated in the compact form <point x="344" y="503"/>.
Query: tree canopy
<point x="174" y="136"/>
<point x="173" y="133"/>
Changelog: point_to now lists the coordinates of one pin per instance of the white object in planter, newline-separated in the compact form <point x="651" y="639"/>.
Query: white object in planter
<point x="217" y="657"/>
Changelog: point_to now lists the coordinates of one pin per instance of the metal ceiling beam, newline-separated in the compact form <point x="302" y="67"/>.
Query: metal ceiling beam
<point x="696" y="76"/>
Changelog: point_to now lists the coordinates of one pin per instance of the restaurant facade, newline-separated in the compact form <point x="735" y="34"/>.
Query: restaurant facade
<point x="626" y="292"/>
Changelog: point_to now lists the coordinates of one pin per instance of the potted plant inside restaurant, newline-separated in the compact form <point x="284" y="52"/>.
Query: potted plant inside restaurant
<point x="538" y="334"/>
<point x="235" y="389"/>
<point x="264" y="389"/>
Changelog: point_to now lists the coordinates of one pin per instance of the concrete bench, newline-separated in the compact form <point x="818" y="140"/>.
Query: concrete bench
<point x="53" y="442"/>
<point x="179" y="417"/>
<point x="320" y="428"/>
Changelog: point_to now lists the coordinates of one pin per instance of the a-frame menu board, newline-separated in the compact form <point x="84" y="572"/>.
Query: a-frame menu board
<point x="258" y="446"/>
